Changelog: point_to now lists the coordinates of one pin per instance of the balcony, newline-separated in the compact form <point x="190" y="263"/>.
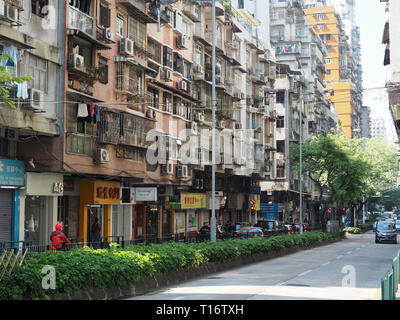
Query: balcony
<point x="144" y="12"/>
<point x="81" y="21"/>
<point x="193" y="11"/>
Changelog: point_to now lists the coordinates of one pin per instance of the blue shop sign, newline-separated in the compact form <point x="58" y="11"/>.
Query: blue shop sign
<point x="12" y="173"/>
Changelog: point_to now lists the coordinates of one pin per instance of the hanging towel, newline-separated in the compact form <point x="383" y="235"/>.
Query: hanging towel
<point x="98" y="118"/>
<point x="22" y="90"/>
<point x="82" y="110"/>
<point x="91" y="110"/>
<point x="13" y="53"/>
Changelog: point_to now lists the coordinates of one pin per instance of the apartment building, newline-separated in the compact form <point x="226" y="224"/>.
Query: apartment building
<point x="29" y="34"/>
<point x="121" y="127"/>
<point x="340" y="65"/>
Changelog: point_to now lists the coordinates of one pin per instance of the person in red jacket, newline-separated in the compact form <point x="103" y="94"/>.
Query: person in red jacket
<point x="58" y="238"/>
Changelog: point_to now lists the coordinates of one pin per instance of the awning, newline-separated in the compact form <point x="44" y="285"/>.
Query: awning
<point x="80" y="96"/>
<point x="174" y="90"/>
<point x="79" y="33"/>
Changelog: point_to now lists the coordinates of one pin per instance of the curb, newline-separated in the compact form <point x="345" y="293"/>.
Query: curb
<point x="149" y="284"/>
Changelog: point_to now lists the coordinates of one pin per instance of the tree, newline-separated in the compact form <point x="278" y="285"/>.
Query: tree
<point x="349" y="170"/>
<point x="6" y="78"/>
<point x="323" y="162"/>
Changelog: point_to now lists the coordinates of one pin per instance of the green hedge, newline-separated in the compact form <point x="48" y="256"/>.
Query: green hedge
<point x="86" y="268"/>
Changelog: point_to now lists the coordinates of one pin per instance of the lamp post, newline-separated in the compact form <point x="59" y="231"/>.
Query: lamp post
<point x="213" y="231"/>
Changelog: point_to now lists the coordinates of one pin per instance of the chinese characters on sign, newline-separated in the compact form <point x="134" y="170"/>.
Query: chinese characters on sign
<point x="12" y="173"/>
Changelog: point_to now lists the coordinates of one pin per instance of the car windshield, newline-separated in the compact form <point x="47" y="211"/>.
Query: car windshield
<point x="384" y="226"/>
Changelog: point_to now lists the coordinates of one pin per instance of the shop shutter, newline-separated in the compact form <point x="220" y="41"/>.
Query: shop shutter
<point x="5" y="215"/>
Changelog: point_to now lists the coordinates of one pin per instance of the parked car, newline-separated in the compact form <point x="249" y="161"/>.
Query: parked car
<point x="374" y="226"/>
<point x="397" y="225"/>
<point x="271" y="227"/>
<point x="205" y="232"/>
<point x="385" y="231"/>
<point x="250" y="232"/>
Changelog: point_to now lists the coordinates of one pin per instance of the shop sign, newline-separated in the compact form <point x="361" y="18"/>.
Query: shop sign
<point x="146" y="194"/>
<point x="220" y="200"/>
<point x="12" y="173"/>
<point x="107" y="192"/>
<point x="193" y="201"/>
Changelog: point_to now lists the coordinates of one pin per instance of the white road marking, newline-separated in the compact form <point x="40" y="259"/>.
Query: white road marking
<point x="325" y="264"/>
<point x="339" y="257"/>
<point x="304" y="273"/>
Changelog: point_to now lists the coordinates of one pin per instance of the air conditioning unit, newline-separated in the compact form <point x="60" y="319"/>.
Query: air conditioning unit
<point x="181" y="42"/>
<point x="193" y="127"/>
<point x="108" y="34"/>
<point x="77" y="61"/>
<point x="238" y="125"/>
<point x="36" y="99"/>
<point x="167" y="169"/>
<point x="150" y="113"/>
<point x="182" y="171"/>
<point x="182" y="85"/>
<point x="221" y="124"/>
<point x="11" y="13"/>
<point x="200" y="117"/>
<point x="167" y="75"/>
<point x="102" y="155"/>
<point x="126" y="46"/>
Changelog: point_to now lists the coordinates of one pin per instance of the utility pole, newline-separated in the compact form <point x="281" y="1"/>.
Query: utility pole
<point x="301" y="157"/>
<point x="213" y="231"/>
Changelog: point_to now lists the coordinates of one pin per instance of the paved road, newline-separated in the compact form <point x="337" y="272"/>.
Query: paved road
<point x="347" y="270"/>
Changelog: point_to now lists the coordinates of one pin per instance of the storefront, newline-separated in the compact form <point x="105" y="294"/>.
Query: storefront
<point x="96" y="200"/>
<point x="39" y="206"/>
<point x="192" y="214"/>
<point x="146" y="215"/>
<point x="12" y="178"/>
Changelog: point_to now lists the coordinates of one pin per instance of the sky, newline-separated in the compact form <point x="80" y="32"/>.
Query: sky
<point x="371" y="17"/>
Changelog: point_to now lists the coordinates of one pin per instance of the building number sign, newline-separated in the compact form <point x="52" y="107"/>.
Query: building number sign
<point x="58" y="187"/>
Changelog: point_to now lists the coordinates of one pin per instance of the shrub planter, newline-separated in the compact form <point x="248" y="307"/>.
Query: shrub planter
<point x="83" y="274"/>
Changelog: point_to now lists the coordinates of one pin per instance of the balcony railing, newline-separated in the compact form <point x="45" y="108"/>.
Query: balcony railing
<point x="81" y="21"/>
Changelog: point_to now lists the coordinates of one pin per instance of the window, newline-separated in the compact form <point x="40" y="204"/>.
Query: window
<point x="39" y="7"/>
<point x="137" y="32"/>
<point x="328" y="71"/>
<point x="280" y="171"/>
<point x="241" y="4"/>
<point x="280" y="146"/>
<point x="328" y="48"/>
<point x="320" y="26"/>
<point x="198" y="55"/>
<point x="81" y="5"/>
<point x="178" y="62"/>
<point x="328" y="37"/>
<point x="280" y="123"/>
<point x="321" y="15"/>
<point x="186" y="29"/>
<point x="103" y="68"/>
<point x="342" y="50"/>
<point x="343" y="62"/>
<point x="120" y="25"/>
<point x="105" y="16"/>
<point x="167" y="57"/>
<point x="280" y="97"/>
<point x="37" y="68"/>
<point x="322" y="37"/>
<point x="328" y="60"/>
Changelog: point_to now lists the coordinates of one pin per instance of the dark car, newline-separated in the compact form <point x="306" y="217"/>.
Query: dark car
<point x="205" y="231"/>
<point x="271" y="227"/>
<point x="374" y="226"/>
<point x="385" y="231"/>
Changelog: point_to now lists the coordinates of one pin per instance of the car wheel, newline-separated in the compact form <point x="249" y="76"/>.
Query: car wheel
<point x="376" y="240"/>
